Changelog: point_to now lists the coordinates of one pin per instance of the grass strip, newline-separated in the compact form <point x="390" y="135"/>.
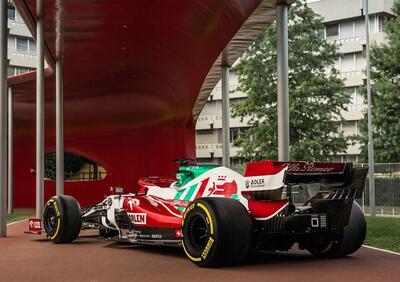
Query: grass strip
<point x="383" y="232"/>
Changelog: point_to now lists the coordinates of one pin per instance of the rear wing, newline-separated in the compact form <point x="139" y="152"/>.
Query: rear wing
<point x="330" y="175"/>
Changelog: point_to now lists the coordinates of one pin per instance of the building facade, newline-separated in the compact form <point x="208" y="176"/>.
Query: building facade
<point x="346" y="26"/>
<point x="21" y="46"/>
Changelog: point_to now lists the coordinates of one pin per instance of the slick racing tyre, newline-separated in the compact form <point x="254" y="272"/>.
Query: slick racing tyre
<point x="216" y="232"/>
<point x="351" y="240"/>
<point x="62" y="219"/>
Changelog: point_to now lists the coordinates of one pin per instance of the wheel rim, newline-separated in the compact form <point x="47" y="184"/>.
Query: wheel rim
<point x="198" y="232"/>
<point x="50" y="220"/>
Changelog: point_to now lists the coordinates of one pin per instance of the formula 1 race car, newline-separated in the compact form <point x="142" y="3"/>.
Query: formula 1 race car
<point x="218" y="215"/>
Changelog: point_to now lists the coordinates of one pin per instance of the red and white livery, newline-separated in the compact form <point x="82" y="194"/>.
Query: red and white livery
<point x="217" y="215"/>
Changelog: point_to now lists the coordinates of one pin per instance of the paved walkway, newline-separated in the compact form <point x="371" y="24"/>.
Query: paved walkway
<point x="29" y="258"/>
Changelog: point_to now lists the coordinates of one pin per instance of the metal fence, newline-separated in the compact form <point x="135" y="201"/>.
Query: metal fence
<point x="387" y="190"/>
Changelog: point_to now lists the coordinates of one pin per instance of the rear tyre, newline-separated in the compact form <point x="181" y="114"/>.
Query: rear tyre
<point x="62" y="219"/>
<point x="351" y="240"/>
<point x="216" y="232"/>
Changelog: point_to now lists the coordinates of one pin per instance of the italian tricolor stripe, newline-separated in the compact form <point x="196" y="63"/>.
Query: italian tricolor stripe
<point x="202" y="188"/>
<point x="193" y="192"/>
<point x="190" y="192"/>
<point x="179" y="194"/>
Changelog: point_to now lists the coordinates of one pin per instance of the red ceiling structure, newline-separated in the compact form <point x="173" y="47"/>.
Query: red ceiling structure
<point x="136" y="76"/>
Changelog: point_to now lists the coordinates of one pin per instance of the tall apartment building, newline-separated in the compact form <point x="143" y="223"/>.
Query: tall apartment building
<point x="21" y="47"/>
<point x="344" y="23"/>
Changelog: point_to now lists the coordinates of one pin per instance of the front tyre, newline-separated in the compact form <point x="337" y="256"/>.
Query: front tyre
<point x="351" y="240"/>
<point x="216" y="232"/>
<point x="62" y="219"/>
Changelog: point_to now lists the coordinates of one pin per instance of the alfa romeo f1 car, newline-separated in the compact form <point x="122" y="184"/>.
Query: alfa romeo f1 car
<point x="218" y="215"/>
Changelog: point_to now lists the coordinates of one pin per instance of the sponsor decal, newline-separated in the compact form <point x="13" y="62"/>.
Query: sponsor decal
<point x="255" y="183"/>
<point x="178" y="233"/>
<point x="34" y="224"/>
<point x="227" y="189"/>
<point x="195" y="167"/>
<point x="188" y="209"/>
<point x="133" y="202"/>
<point x="138" y="218"/>
<point x="179" y="203"/>
<point x="313" y="168"/>
<point x="210" y="242"/>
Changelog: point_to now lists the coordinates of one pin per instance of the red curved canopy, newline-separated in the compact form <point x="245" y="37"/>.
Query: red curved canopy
<point x="136" y="73"/>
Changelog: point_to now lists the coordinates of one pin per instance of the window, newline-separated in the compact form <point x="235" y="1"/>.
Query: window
<point x="11" y="42"/>
<point x="381" y="23"/>
<point x="236" y="101"/>
<point x="337" y="64"/>
<point x="22" y="44"/>
<point x="204" y="132"/>
<point x="360" y="61"/>
<point x="353" y="95"/>
<point x="238" y="162"/>
<point x="219" y="138"/>
<point x="349" y="128"/>
<point x="11" y="71"/>
<point x="32" y="46"/>
<point x="234" y="133"/>
<point x="332" y="30"/>
<point x="11" y="11"/>
<point x="360" y="27"/>
<point x="350" y="158"/>
<point x="21" y="70"/>
<point x="348" y="62"/>
<point x="15" y="70"/>
<point x="76" y="168"/>
<point x="321" y="33"/>
<point x="336" y="159"/>
<point x="346" y="29"/>
<point x="372" y="24"/>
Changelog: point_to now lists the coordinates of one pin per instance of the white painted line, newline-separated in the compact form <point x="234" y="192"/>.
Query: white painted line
<point x="382" y="250"/>
<point x="12" y="223"/>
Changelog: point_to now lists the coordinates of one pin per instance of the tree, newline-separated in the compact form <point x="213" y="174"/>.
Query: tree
<point x="317" y="94"/>
<point x="385" y="73"/>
